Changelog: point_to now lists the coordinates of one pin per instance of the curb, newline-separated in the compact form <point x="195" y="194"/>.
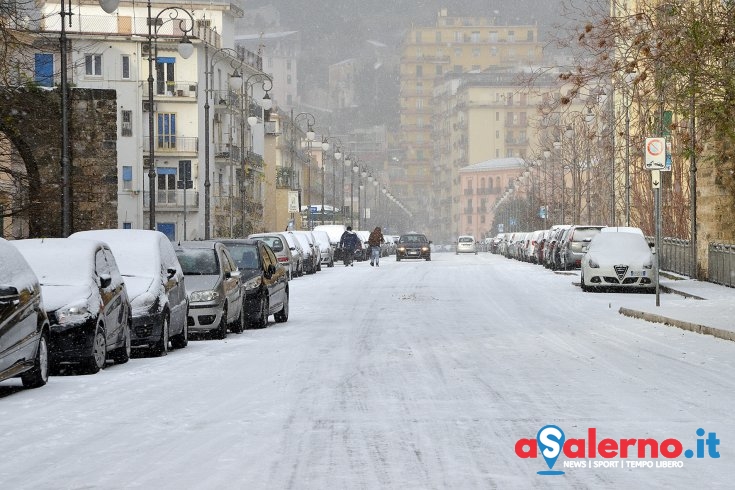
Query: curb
<point x="692" y="327"/>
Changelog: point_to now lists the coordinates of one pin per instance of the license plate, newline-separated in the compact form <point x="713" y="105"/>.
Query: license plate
<point x="637" y="274"/>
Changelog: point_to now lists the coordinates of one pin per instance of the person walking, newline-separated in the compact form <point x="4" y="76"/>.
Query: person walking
<point x="349" y="242"/>
<point x="374" y="240"/>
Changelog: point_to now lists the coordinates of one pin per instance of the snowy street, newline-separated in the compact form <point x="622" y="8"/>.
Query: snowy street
<point x="411" y="375"/>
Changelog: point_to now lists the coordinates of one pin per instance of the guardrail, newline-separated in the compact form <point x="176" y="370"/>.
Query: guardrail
<point x="676" y="256"/>
<point x="721" y="268"/>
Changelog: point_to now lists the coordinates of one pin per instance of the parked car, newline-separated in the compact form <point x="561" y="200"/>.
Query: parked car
<point x="155" y="283"/>
<point x="85" y="299"/>
<point x="24" y="326"/>
<point x="265" y="281"/>
<point x="466" y="244"/>
<point x="364" y="252"/>
<point x="297" y="252"/>
<point x="335" y="235"/>
<point x="316" y="254"/>
<point x="325" y="247"/>
<point x="278" y="243"/>
<point x="310" y="257"/>
<point x="413" y="246"/>
<point x="617" y="261"/>
<point x="532" y="240"/>
<point x="574" y="245"/>
<point x="622" y="229"/>
<point x="213" y="288"/>
<point x="551" y="249"/>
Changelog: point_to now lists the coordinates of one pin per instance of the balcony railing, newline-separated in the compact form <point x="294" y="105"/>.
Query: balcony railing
<point x="172" y="144"/>
<point x="172" y="200"/>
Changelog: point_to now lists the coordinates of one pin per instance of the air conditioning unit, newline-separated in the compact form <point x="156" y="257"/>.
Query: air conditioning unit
<point x="147" y="106"/>
<point x="145" y="49"/>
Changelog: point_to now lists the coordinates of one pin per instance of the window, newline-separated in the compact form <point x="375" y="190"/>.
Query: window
<point x="457" y="52"/>
<point x="165" y="81"/>
<point x="438" y="36"/>
<point x="127" y="178"/>
<point x="166" y="134"/>
<point x="288" y="79"/>
<point x="127" y="226"/>
<point x="457" y="37"/>
<point x="419" y="104"/>
<point x="438" y="69"/>
<point x="288" y="65"/>
<point x="166" y="185"/>
<point x="44" y="70"/>
<point x="469" y="219"/>
<point x="126" y="123"/>
<point x="420" y="122"/>
<point x="511" y="36"/>
<point x="482" y="219"/>
<point x="419" y="71"/>
<point x="419" y="88"/>
<point x="418" y="37"/>
<point x="497" y="116"/>
<point x="126" y="67"/>
<point x="475" y="37"/>
<point x="476" y="52"/>
<point x="493" y="36"/>
<point x="497" y="134"/>
<point x="529" y="36"/>
<point x="93" y="65"/>
<point x="494" y="50"/>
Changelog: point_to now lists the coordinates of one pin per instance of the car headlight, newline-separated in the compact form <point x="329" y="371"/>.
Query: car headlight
<point x="253" y="283"/>
<point x="593" y="264"/>
<point x="648" y="265"/>
<point x="203" y="296"/>
<point x="402" y="249"/>
<point x="76" y="313"/>
<point x="424" y="249"/>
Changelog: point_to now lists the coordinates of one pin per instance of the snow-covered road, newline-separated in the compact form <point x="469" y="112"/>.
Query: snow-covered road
<point x="412" y="375"/>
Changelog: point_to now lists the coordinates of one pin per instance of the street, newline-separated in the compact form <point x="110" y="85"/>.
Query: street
<point x="415" y="374"/>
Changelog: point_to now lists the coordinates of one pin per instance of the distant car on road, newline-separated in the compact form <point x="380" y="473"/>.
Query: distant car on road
<point x="24" y="326"/>
<point x="413" y="246"/>
<point x="466" y="244"/>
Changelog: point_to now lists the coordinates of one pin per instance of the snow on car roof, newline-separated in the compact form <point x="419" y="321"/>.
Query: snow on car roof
<point x="14" y="269"/>
<point x="136" y="251"/>
<point x="59" y="261"/>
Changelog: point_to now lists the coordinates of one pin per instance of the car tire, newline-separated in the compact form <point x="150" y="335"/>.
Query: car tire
<point x="160" y="348"/>
<point x="220" y="333"/>
<point x="428" y="259"/>
<point x="262" y="320"/>
<point x="282" y="315"/>
<point x="122" y="354"/>
<point x="38" y="375"/>
<point x="331" y="263"/>
<point x="239" y="324"/>
<point x="585" y="288"/>
<point x="98" y="357"/>
<point x="181" y="340"/>
<point x="398" y="258"/>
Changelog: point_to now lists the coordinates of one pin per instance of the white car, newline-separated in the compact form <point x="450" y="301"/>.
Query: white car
<point x="617" y="261"/>
<point x="466" y="244"/>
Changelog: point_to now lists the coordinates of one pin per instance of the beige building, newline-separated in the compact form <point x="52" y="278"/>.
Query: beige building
<point x="456" y="45"/>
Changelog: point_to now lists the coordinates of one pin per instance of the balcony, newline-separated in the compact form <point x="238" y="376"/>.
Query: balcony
<point x="169" y="144"/>
<point x="172" y="200"/>
<point x="469" y="192"/>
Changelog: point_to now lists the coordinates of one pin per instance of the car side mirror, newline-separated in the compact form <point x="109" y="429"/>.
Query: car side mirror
<point x="271" y="270"/>
<point x="170" y="273"/>
<point x="233" y="275"/>
<point x="9" y="296"/>
<point x="105" y="281"/>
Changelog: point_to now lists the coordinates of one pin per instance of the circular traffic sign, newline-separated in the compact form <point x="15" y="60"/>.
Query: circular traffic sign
<point x="655" y="147"/>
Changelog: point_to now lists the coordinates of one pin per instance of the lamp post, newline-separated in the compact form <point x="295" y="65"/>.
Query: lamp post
<point x="266" y="104"/>
<point x="337" y="156"/>
<point x="235" y="83"/>
<point x="108" y="6"/>
<point x="355" y="169"/>
<point x="309" y="137"/>
<point x="185" y="49"/>
<point x="363" y="174"/>
<point x="346" y="168"/>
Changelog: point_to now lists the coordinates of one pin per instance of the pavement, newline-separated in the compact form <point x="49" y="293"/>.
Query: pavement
<point x="693" y="305"/>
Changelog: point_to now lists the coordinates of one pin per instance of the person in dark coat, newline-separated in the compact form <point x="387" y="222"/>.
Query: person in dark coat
<point x="374" y="240"/>
<point x="349" y="242"/>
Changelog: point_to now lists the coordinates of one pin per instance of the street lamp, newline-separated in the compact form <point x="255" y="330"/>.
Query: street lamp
<point x="355" y="169"/>
<point x="363" y="174"/>
<point x="337" y="156"/>
<point x="266" y="104"/>
<point x="235" y="83"/>
<point x="348" y="165"/>
<point x="310" y="135"/>
<point x="108" y="6"/>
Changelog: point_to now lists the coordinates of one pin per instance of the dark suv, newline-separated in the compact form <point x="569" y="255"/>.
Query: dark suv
<point x="413" y="246"/>
<point x="24" y="326"/>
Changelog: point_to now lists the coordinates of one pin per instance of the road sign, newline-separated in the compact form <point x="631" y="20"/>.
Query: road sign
<point x="656" y="179"/>
<point x="293" y="201"/>
<point x="655" y="157"/>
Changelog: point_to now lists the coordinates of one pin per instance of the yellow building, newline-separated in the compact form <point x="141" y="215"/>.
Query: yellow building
<point x="455" y="45"/>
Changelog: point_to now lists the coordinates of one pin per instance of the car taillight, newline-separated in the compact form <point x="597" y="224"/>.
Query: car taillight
<point x="282" y="259"/>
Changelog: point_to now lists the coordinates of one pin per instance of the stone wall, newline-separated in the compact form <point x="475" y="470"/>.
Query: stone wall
<point x="32" y="123"/>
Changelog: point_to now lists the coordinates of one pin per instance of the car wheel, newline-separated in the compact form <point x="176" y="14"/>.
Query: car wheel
<point x="121" y="355"/>
<point x="181" y="340"/>
<point x="398" y="258"/>
<point x="38" y="376"/>
<point x="585" y="288"/>
<point x="160" y="348"/>
<point x="331" y="263"/>
<point x="221" y="332"/>
<point x="239" y="324"/>
<point x="282" y="315"/>
<point x="96" y="360"/>
<point x="262" y="320"/>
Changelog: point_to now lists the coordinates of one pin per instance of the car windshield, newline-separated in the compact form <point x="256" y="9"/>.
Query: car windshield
<point x="582" y="234"/>
<point x="413" y="239"/>
<point x="246" y="256"/>
<point x="273" y="242"/>
<point x="617" y="244"/>
<point x="198" y="261"/>
<point x="466" y="239"/>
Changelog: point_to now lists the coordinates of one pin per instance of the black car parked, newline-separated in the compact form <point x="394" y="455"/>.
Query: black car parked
<point x="413" y="246"/>
<point x="24" y="327"/>
<point x="264" y="280"/>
